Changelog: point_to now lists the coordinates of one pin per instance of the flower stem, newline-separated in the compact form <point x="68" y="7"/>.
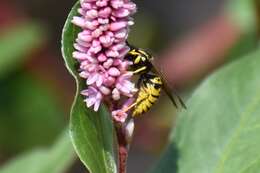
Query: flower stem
<point x="123" y="147"/>
<point x="124" y="133"/>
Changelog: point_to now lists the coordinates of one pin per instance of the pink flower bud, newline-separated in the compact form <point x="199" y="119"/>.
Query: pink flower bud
<point x="114" y="72"/>
<point x="102" y="3"/>
<point x="109" y="81"/>
<point x="120" y="13"/>
<point x="105" y="12"/>
<point x="121" y="34"/>
<point x="79" y="21"/>
<point x="115" y="94"/>
<point x="92" y="25"/>
<point x="130" y="6"/>
<point x="118" y="25"/>
<point x="103" y="21"/>
<point x="83" y="43"/>
<point x="96" y="33"/>
<point x="84" y="74"/>
<point x="102" y="57"/>
<point x="92" y="14"/>
<point x="80" y="48"/>
<point x="117" y="3"/>
<point x="119" y="46"/>
<point x="106" y="40"/>
<point x="85" y="37"/>
<point x="112" y="53"/>
<point x="108" y="63"/>
<point x="105" y="90"/>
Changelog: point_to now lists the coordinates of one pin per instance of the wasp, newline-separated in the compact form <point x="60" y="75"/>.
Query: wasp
<point x="150" y="83"/>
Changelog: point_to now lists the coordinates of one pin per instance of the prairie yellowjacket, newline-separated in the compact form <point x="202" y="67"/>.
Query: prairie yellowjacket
<point x="150" y="82"/>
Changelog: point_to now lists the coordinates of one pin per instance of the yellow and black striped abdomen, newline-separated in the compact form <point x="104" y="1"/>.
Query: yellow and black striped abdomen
<point x="148" y="94"/>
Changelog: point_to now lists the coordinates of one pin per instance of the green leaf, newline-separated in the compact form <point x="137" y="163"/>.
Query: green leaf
<point x="16" y="44"/>
<point x="57" y="159"/>
<point x="91" y="132"/>
<point x="219" y="133"/>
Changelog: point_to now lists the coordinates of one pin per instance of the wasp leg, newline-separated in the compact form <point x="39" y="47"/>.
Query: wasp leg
<point x="130" y="107"/>
<point x="139" y="70"/>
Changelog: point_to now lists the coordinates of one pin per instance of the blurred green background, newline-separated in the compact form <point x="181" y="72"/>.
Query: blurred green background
<point x="36" y="90"/>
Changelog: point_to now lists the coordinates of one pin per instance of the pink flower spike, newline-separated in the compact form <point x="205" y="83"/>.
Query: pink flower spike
<point x="100" y="49"/>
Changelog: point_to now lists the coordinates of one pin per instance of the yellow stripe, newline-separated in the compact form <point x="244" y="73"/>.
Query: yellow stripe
<point x="143" y="52"/>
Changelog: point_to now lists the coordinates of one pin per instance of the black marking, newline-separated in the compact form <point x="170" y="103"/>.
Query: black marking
<point x="150" y="101"/>
<point x="156" y="96"/>
<point x="157" y="86"/>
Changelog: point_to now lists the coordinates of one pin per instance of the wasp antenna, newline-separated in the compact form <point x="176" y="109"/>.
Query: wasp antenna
<point x="182" y="103"/>
<point x="130" y="45"/>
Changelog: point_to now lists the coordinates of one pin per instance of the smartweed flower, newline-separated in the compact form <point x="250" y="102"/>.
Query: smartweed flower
<point x="100" y="49"/>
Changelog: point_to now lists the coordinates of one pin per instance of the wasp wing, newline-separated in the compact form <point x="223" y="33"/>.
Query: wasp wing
<point x="168" y="90"/>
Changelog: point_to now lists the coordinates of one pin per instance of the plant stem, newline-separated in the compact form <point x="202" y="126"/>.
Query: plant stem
<point x="123" y="147"/>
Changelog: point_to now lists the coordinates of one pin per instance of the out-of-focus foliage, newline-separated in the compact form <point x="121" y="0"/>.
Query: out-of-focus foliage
<point x="243" y="12"/>
<point x="29" y="114"/>
<point x="247" y="43"/>
<point x="91" y="132"/>
<point x="220" y="130"/>
<point x="56" y="159"/>
<point x="15" y="45"/>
